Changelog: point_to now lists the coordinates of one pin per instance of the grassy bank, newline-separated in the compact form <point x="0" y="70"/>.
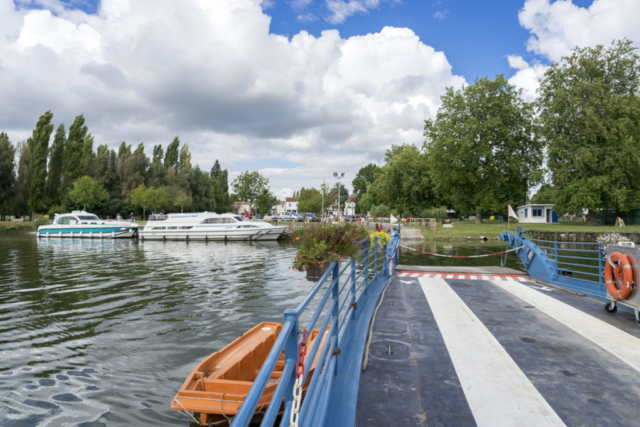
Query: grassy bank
<point x="9" y="227"/>
<point x="464" y="230"/>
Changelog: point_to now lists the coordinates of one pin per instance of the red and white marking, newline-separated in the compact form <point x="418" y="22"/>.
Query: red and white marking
<point x="503" y="277"/>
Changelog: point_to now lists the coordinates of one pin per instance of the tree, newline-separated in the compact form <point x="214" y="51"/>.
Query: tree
<point x="38" y="150"/>
<point x="87" y="155"/>
<point x="171" y="156"/>
<point x="482" y="148"/>
<point x="364" y="177"/>
<point x="265" y="201"/>
<point x="7" y="176"/>
<point x="182" y="199"/>
<point x="87" y="192"/>
<point x="73" y="150"/>
<point x="149" y="198"/>
<point x="23" y="182"/>
<point x="158" y="154"/>
<point x="220" y="184"/>
<point x="590" y="116"/>
<point x="184" y="162"/>
<point x="333" y="194"/>
<point x="56" y="159"/>
<point x="543" y="196"/>
<point x="202" y="191"/>
<point x="310" y="200"/>
<point x="248" y="186"/>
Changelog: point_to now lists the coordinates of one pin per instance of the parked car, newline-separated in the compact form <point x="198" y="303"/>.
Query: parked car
<point x="290" y="216"/>
<point x="311" y="217"/>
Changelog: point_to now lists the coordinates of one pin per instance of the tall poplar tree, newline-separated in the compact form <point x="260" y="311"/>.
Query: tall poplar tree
<point x="73" y="167"/>
<point x="38" y="150"/>
<point x="23" y="181"/>
<point x="56" y="158"/>
<point x="87" y="155"/>
<point x="590" y="114"/>
<point x="7" y="175"/>
<point x="171" y="155"/>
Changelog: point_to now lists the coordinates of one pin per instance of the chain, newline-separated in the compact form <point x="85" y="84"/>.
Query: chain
<point x="297" y="388"/>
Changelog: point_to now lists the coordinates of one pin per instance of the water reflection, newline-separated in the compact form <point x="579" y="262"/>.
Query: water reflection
<point x="104" y="332"/>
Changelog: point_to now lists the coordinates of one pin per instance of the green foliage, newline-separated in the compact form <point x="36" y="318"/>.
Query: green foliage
<point x="544" y="195"/>
<point x="55" y="209"/>
<point x="383" y="238"/>
<point x="590" y="115"/>
<point x="333" y="194"/>
<point x="23" y="182"/>
<point x="482" y="149"/>
<point x="73" y="167"/>
<point x="220" y="183"/>
<point x="171" y="155"/>
<point x="380" y="211"/>
<point x="7" y="177"/>
<point x="38" y="150"/>
<point x="320" y="245"/>
<point x="184" y="163"/>
<point x="150" y="198"/>
<point x="56" y="159"/>
<point x="87" y="192"/>
<point x="39" y="220"/>
<point x="265" y="202"/>
<point x="437" y="213"/>
<point x="364" y="177"/>
<point x="87" y="155"/>
<point x="248" y="186"/>
<point x="310" y="200"/>
<point x="182" y="199"/>
<point x="158" y="154"/>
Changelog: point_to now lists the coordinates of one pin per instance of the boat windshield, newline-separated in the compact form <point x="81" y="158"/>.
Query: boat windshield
<point x="88" y="217"/>
<point x="238" y="218"/>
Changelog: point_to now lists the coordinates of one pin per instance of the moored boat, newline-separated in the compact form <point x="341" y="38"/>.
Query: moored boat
<point x="210" y="226"/>
<point x="81" y="224"/>
<point x="218" y="385"/>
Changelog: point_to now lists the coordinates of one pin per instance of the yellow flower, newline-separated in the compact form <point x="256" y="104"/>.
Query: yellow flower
<point x="297" y="238"/>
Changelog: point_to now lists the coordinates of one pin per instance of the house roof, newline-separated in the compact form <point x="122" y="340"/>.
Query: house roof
<point x="240" y="203"/>
<point x="536" y="204"/>
<point x="292" y="199"/>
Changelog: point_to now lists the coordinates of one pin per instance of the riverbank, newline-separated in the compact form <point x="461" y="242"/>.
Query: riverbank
<point x="576" y="231"/>
<point x="12" y="227"/>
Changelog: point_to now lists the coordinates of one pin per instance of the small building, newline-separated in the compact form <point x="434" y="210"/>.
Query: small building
<point x="537" y="213"/>
<point x="240" y="207"/>
<point x="291" y="204"/>
<point x="278" y="208"/>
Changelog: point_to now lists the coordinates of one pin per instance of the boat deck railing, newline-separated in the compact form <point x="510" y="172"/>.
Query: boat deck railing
<point x="578" y="266"/>
<point x="332" y="303"/>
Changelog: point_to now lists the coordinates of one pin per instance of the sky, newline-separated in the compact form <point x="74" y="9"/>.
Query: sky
<point x="297" y="89"/>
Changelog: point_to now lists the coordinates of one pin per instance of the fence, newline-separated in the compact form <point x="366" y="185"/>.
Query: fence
<point x="343" y="303"/>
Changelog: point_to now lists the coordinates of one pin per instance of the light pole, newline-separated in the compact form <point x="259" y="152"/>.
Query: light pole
<point x="339" y="176"/>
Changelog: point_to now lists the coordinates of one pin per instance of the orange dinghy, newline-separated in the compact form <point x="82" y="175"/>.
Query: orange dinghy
<point x="218" y="385"/>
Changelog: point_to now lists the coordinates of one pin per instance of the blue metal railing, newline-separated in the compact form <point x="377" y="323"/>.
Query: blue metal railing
<point x="578" y="266"/>
<point x="335" y="288"/>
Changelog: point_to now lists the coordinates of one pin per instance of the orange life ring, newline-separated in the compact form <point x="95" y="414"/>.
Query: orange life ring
<point x="618" y="276"/>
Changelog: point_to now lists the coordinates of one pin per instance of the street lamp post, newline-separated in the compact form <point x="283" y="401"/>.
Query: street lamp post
<point x="339" y="176"/>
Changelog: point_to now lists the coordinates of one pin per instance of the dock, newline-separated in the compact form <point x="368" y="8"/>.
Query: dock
<point x="489" y="346"/>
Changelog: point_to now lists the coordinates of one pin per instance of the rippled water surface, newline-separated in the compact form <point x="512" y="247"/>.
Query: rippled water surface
<point x="97" y="333"/>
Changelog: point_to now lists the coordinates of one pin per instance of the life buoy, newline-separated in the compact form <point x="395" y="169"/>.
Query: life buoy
<point x="618" y="276"/>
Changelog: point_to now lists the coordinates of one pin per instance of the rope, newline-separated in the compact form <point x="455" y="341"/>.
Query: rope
<point x="373" y="319"/>
<point x="461" y="256"/>
<point x="187" y="412"/>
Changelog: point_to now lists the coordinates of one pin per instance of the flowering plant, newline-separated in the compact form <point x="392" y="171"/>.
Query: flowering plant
<point x="321" y="245"/>
<point x="383" y="238"/>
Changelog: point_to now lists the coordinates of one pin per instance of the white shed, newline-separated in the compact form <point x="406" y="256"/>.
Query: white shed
<point x="539" y="214"/>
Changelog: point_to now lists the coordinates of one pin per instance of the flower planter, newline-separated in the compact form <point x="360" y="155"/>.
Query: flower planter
<point x="315" y="272"/>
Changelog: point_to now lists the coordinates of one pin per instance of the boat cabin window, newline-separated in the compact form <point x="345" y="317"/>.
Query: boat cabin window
<point x="186" y="228"/>
<point x="65" y="220"/>
<point x="88" y="218"/>
<point x="158" y="228"/>
<point x="212" y="221"/>
<point x="172" y="228"/>
<point x="238" y="218"/>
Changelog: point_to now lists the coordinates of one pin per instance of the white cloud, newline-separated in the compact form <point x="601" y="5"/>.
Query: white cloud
<point x="210" y="72"/>
<point x="307" y="17"/>
<point x="528" y="76"/>
<point x="560" y="26"/>
<point x="299" y="5"/>
<point x="342" y="9"/>
<point x="440" y="15"/>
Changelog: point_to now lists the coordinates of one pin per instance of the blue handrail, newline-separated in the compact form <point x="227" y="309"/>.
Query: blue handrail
<point x="345" y="329"/>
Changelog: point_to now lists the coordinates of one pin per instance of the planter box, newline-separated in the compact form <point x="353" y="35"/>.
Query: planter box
<point x="315" y="272"/>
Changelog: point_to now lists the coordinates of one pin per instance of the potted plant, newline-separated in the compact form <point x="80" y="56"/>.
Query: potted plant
<point x="319" y="246"/>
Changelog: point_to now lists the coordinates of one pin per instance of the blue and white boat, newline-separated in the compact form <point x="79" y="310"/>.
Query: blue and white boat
<point x="81" y="224"/>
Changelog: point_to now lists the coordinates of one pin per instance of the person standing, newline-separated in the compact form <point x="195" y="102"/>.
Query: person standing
<point x="118" y="217"/>
<point x="133" y="217"/>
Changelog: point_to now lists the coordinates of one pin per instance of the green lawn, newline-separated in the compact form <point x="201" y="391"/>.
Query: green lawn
<point x="491" y="229"/>
<point x="13" y="226"/>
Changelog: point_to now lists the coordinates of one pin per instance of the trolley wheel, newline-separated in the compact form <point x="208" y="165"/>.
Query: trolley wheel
<point x="609" y="310"/>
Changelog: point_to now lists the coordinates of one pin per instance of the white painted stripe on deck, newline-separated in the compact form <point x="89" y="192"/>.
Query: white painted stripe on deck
<point x="450" y="276"/>
<point x="474" y="278"/>
<point x="485" y="277"/>
<point x="438" y="276"/>
<point x="461" y="276"/>
<point x="621" y="344"/>
<point x="402" y="275"/>
<point x="416" y="275"/>
<point x="498" y="392"/>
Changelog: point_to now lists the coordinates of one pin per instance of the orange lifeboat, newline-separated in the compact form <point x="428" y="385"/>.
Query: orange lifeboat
<point x="618" y="276"/>
<point x="218" y="385"/>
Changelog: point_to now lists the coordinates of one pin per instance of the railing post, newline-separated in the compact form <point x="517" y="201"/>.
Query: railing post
<point x="601" y="267"/>
<point x="375" y="251"/>
<point x="290" y="356"/>
<point x="366" y="267"/>
<point x="555" y="255"/>
<point x="353" y="288"/>
<point x="336" y="309"/>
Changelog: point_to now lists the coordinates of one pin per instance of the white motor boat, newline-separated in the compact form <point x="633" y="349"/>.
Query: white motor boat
<point x="81" y="224"/>
<point x="210" y="226"/>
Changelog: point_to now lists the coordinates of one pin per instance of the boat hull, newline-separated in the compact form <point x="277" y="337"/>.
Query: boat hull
<point x="87" y="232"/>
<point x="249" y="234"/>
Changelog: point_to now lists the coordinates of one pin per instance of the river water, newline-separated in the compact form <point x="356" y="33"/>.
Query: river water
<point x="103" y="333"/>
